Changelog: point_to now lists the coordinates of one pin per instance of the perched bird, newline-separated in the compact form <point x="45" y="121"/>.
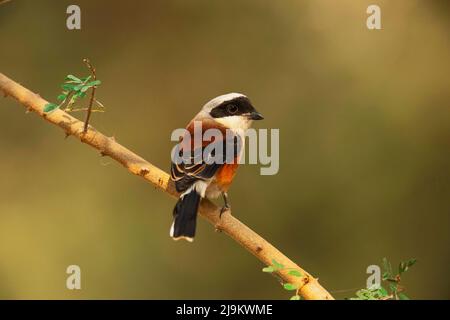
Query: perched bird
<point x="198" y="178"/>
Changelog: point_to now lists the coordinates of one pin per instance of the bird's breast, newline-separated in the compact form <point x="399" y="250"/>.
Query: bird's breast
<point x="222" y="180"/>
<point x="226" y="174"/>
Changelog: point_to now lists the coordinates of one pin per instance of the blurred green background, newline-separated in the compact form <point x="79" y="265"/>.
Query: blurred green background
<point x="364" y="125"/>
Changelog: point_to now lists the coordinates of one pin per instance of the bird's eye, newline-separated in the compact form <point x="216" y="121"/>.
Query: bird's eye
<point x="232" y="108"/>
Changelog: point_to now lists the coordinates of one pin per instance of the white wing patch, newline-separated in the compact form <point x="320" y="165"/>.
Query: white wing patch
<point x="199" y="186"/>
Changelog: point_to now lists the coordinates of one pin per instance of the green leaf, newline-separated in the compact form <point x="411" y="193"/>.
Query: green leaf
<point x="50" y="107"/>
<point x="403" y="296"/>
<point x="268" y="269"/>
<point x="361" y="294"/>
<point x="73" y="78"/>
<point x="405" y="265"/>
<point x="80" y="94"/>
<point x="62" y="97"/>
<point x="296" y="297"/>
<point x="411" y="262"/>
<point x="277" y="265"/>
<point x="85" y="79"/>
<point x="290" y="286"/>
<point x="393" y="287"/>
<point x="402" y="267"/>
<point x="295" y="273"/>
<point x="383" y="292"/>
<point x="85" y="88"/>
<point x="373" y="293"/>
<point x="68" y="86"/>
<point x="94" y="83"/>
<point x="78" y="87"/>
<point x="387" y="269"/>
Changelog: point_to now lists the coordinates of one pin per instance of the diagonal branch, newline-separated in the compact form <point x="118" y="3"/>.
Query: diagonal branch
<point x="309" y="287"/>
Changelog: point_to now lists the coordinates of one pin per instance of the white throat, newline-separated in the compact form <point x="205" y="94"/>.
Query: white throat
<point x="235" y="123"/>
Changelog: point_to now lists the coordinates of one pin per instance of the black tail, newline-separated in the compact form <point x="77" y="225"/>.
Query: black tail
<point x="185" y="217"/>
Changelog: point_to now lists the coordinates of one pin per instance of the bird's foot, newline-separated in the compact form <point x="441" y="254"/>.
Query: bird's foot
<point x="224" y="209"/>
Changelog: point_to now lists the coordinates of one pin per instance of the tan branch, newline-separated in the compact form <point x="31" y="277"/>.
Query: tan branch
<point x="263" y="250"/>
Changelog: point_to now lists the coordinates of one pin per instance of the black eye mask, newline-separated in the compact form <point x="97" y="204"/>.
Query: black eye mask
<point x="234" y="107"/>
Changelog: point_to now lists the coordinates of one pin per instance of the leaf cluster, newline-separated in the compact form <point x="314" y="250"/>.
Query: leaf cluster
<point x="392" y="279"/>
<point x="75" y="89"/>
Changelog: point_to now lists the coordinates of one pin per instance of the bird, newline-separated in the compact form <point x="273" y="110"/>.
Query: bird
<point x="199" y="178"/>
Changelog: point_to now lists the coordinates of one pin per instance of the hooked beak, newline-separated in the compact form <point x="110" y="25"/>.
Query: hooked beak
<point x="255" y="115"/>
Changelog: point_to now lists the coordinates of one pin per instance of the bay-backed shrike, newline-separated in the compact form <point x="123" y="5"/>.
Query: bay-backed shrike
<point x="198" y="178"/>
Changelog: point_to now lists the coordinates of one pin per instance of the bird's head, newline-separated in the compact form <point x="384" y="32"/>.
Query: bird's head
<point x="232" y="110"/>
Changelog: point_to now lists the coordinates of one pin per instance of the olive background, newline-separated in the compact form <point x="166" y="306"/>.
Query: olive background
<point x="364" y="126"/>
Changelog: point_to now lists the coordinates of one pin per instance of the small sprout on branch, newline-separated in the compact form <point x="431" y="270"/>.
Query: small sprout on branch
<point x="395" y="291"/>
<point x="295" y="273"/>
<point x="276" y="267"/>
<point x="405" y="265"/>
<point x="269" y="269"/>
<point x="373" y="293"/>
<point x="74" y="90"/>
<point x="50" y="107"/>
<point x="290" y="286"/>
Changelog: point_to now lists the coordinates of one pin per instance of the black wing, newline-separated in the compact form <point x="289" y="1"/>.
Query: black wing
<point x="196" y="165"/>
